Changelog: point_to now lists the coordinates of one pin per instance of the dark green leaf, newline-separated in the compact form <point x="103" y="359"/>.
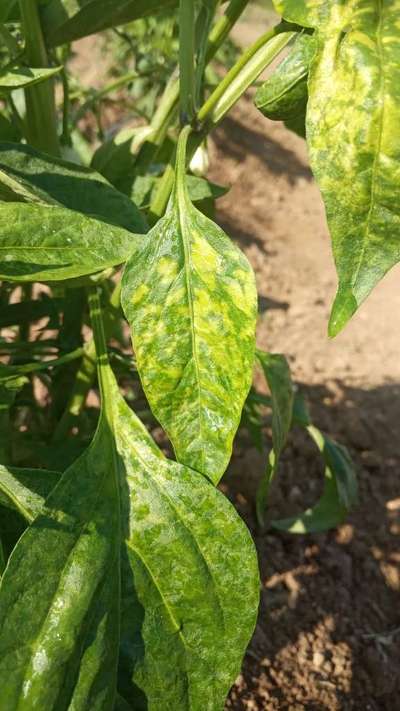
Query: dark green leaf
<point x="340" y="490"/>
<point x="284" y="95"/>
<point x="41" y="243"/>
<point x="23" y="76"/>
<point x="59" y="596"/>
<point x="190" y="297"/>
<point x="31" y="176"/>
<point x="68" y="20"/>
<point x="5" y="8"/>
<point x="8" y="130"/>
<point x="278" y="377"/>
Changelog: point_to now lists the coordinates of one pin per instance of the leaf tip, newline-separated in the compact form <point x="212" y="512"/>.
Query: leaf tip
<point x="344" y="306"/>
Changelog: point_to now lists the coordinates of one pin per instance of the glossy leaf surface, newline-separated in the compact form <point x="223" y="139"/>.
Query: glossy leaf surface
<point x="68" y="20"/>
<point x="277" y="374"/>
<point x="31" y="176"/>
<point x="190" y="297"/>
<point x="339" y="495"/>
<point x="284" y="95"/>
<point x="59" y="596"/>
<point x="24" y="76"/>
<point x="40" y="243"/>
<point x="353" y="115"/>
<point x="25" y="490"/>
<point x="190" y="580"/>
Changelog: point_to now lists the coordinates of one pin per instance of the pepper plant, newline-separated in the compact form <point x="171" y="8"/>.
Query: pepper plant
<point x="128" y="579"/>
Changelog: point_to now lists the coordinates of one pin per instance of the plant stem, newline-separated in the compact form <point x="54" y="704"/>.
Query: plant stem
<point x="187" y="76"/>
<point x="237" y="81"/>
<point x="248" y="67"/>
<point x="40" y="103"/>
<point x="223" y="27"/>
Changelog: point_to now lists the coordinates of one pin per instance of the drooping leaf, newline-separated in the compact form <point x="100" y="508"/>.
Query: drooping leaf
<point x="25" y="76"/>
<point x="189" y="571"/>
<point x="277" y="374"/>
<point x="190" y="297"/>
<point x="31" y="176"/>
<point x="339" y="495"/>
<point x="41" y="243"/>
<point x="68" y="20"/>
<point x="284" y="95"/>
<point x="190" y="581"/>
<point x="352" y="120"/>
<point x="59" y="596"/>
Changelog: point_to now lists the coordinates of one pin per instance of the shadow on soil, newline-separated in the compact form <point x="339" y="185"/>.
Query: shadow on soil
<point x="329" y="624"/>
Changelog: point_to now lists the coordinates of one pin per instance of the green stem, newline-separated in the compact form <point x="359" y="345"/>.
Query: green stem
<point x="40" y="102"/>
<point x="248" y="67"/>
<point x="237" y="81"/>
<point x="223" y="27"/>
<point x="187" y="76"/>
<point x="99" y="337"/>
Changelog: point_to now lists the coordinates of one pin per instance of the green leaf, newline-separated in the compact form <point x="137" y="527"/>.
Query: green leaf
<point x="23" y="76"/>
<point x="277" y="373"/>
<point x="40" y="243"/>
<point x="68" y="20"/>
<point x="25" y="490"/>
<point x="29" y="175"/>
<point x="303" y="12"/>
<point x="190" y="296"/>
<point x="340" y="490"/>
<point x="190" y="586"/>
<point x="352" y="120"/>
<point x="5" y="8"/>
<point x="284" y="95"/>
<point x="8" y="130"/>
<point x="59" y="596"/>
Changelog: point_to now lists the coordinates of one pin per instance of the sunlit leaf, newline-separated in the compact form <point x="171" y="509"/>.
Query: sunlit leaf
<point x="23" y="76"/>
<point x="190" y="297"/>
<point x="40" y="243"/>
<point x="284" y="95"/>
<point x="31" y="176"/>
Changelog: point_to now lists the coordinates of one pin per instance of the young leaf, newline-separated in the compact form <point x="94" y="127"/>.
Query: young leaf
<point x="40" y="243"/>
<point x="278" y="377"/>
<point x="340" y="491"/>
<point x="352" y="120"/>
<point x="68" y="20"/>
<point x="190" y="297"/>
<point x="23" y="76"/>
<point x="31" y="176"/>
<point x="284" y="95"/>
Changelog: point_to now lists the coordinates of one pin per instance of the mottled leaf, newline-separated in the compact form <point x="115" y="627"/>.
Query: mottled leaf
<point x="24" y="76"/>
<point x="30" y="176"/>
<point x="339" y="495"/>
<point x="68" y="20"/>
<point x="352" y="131"/>
<point x="25" y="490"/>
<point x="277" y="374"/>
<point x="190" y="580"/>
<point x="190" y="297"/>
<point x="41" y="243"/>
<point x="303" y="12"/>
<point x="59" y="596"/>
<point x="284" y="95"/>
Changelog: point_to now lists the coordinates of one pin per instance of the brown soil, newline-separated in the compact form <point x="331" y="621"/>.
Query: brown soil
<point x="328" y="635"/>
